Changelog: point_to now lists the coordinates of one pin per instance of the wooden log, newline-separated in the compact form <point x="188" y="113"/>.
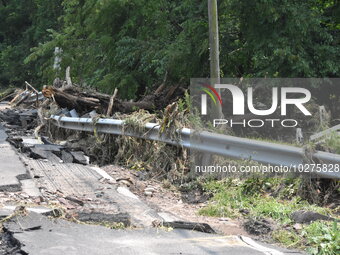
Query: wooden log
<point x="68" y="76"/>
<point x="6" y="97"/>
<point x="31" y="87"/>
<point x="171" y="92"/>
<point x="35" y="91"/>
<point x="112" y="99"/>
<point x="66" y="100"/>
<point x="73" y="97"/>
<point x="16" y="97"/>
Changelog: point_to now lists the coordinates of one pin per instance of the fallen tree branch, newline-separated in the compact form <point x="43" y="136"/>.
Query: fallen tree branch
<point x="16" y="97"/>
<point x="68" y="76"/>
<point x="8" y="96"/>
<point x="109" y="109"/>
<point x="36" y="92"/>
<point x="29" y="85"/>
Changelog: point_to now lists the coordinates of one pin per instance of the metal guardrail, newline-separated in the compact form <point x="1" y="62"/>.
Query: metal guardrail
<point x="116" y="127"/>
<point x="322" y="134"/>
<point x="33" y="97"/>
<point x="224" y="145"/>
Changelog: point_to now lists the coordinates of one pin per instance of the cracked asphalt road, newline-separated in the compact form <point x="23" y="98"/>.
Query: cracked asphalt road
<point x="40" y="235"/>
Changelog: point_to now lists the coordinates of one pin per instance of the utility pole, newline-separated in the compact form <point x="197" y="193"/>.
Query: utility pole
<point x="214" y="51"/>
<point x="216" y="113"/>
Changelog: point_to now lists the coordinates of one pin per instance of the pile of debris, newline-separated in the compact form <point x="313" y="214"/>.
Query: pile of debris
<point x="30" y="131"/>
<point x="73" y="97"/>
<point x="70" y="96"/>
<point x="21" y="125"/>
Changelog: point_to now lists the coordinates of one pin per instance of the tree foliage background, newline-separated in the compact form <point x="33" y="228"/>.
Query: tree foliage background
<point x="134" y="44"/>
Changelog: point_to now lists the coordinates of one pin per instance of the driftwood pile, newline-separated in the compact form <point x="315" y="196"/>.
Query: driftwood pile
<point x="29" y="96"/>
<point x="84" y="101"/>
<point x="71" y="97"/>
<point x="67" y="99"/>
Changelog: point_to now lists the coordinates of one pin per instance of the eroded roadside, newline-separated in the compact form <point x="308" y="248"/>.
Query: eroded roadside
<point x="74" y="198"/>
<point x="163" y="196"/>
<point x="86" y="193"/>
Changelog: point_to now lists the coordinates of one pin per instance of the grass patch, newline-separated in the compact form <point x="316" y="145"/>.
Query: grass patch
<point x="323" y="238"/>
<point x="277" y="199"/>
<point x="287" y="238"/>
<point x="255" y="195"/>
<point x="332" y="142"/>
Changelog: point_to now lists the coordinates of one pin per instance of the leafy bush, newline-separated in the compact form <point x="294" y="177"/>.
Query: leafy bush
<point x="323" y="238"/>
<point x="132" y="45"/>
<point x="333" y="142"/>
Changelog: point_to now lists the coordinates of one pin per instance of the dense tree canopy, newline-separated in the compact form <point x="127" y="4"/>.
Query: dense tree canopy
<point x="135" y="44"/>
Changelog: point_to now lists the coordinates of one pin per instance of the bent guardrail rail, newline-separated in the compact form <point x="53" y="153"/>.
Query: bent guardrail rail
<point x="224" y="145"/>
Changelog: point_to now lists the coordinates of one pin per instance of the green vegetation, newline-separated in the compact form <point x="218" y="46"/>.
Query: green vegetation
<point x="332" y="142"/>
<point x="276" y="199"/>
<point x="5" y="92"/>
<point x="324" y="238"/>
<point x="24" y="25"/>
<point x="230" y="195"/>
<point x="137" y="43"/>
<point x="320" y="238"/>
